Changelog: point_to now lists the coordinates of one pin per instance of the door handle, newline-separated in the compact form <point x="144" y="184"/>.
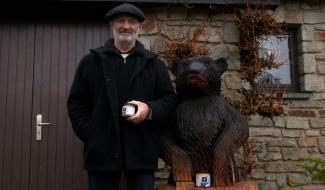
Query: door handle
<point x="39" y="125"/>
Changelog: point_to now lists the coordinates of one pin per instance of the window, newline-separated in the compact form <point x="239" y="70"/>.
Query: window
<point x="283" y="50"/>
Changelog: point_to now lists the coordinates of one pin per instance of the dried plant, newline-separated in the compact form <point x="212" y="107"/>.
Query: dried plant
<point x="180" y="50"/>
<point x="248" y="159"/>
<point x="255" y="24"/>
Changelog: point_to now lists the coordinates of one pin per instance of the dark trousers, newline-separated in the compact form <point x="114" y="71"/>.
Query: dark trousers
<point x="135" y="180"/>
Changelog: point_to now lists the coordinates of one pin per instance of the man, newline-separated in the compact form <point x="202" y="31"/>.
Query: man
<point x="107" y="78"/>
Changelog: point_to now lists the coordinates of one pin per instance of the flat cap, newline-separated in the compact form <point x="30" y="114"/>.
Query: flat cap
<point x="126" y="8"/>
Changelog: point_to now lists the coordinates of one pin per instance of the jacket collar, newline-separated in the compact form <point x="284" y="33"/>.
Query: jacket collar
<point x="138" y="49"/>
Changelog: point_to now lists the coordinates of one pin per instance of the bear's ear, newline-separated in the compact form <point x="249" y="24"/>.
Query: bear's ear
<point x="222" y="64"/>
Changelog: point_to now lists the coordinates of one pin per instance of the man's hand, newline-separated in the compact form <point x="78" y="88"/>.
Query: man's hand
<point x="141" y="114"/>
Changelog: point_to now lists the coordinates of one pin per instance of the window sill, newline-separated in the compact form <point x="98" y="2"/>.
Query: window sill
<point x="296" y="95"/>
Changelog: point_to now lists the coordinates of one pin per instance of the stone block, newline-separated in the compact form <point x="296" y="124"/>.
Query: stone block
<point x="298" y="179"/>
<point x="307" y="142"/>
<point x="162" y="175"/>
<point x="216" y="23"/>
<point x="279" y="14"/>
<point x="278" y="121"/>
<point x="307" y="63"/>
<point x="192" y="24"/>
<point x="233" y="58"/>
<point x="231" y="52"/>
<point x="282" y="143"/>
<point x="258" y="147"/>
<point x="312" y="133"/>
<point x="198" y="14"/>
<point x="217" y="51"/>
<point x="310" y="6"/>
<point x="222" y="16"/>
<point x="271" y="185"/>
<point x="161" y="164"/>
<point x="282" y="167"/>
<point x="322" y="132"/>
<point x="232" y="94"/>
<point x="158" y="44"/>
<point x="297" y="123"/>
<point x="145" y="41"/>
<point x="273" y="149"/>
<point x="262" y="185"/>
<point x="317" y="123"/>
<point x="321" y="144"/>
<point x="258" y="120"/>
<point x="306" y="105"/>
<point x="210" y="34"/>
<point x="320" y="56"/>
<point x="321" y="67"/>
<point x="312" y="83"/>
<point x="258" y="174"/>
<point x="256" y="140"/>
<point x="256" y="132"/>
<point x="314" y="17"/>
<point x="293" y="17"/>
<point x="174" y="32"/>
<point x="269" y="156"/>
<point x="281" y="180"/>
<point x="232" y="79"/>
<point x="230" y="32"/>
<point x="171" y="13"/>
<point x="311" y="47"/>
<point x="292" y="133"/>
<point x="306" y="33"/>
<point x="312" y="150"/>
<point x="270" y="177"/>
<point x="318" y="96"/>
<point x="294" y="153"/>
<point x="302" y="113"/>
<point x="320" y="35"/>
<point x="321" y="113"/>
<point x="319" y="26"/>
<point x="150" y="25"/>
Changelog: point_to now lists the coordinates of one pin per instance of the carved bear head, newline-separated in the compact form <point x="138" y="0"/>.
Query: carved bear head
<point x="199" y="76"/>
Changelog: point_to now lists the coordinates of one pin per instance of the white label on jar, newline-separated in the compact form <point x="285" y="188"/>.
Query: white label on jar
<point x="128" y="110"/>
<point x="203" y="180"/>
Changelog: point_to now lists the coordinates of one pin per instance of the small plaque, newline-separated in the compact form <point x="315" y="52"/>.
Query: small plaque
<point x="203" y="179"/>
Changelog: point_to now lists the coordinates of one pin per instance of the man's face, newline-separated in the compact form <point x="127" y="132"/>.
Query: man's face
<point x="125" y="28"/>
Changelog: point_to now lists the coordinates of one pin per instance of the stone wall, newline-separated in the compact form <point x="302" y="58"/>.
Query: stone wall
<point x="280" y="141"/>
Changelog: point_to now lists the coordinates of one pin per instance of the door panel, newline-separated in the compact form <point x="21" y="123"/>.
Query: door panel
<point x="16" y="79"/>
<point x="56" y="160"/>
<point x="37" y="66"/>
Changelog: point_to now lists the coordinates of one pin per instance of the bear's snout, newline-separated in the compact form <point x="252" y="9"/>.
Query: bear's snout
<point x="196" y="68"/>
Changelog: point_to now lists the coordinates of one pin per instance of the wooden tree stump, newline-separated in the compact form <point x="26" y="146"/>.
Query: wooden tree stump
<point x="237" y="186"/>
<point x="190" y="186"/>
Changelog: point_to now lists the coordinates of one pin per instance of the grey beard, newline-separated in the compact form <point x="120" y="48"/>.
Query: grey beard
<point x="125" y="39"/>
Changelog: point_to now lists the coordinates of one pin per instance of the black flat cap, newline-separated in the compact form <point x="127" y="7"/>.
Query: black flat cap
<point x="125" y="8"/>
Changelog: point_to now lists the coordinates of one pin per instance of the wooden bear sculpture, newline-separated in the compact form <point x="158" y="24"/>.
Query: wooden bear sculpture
<point x="209" y="130"/>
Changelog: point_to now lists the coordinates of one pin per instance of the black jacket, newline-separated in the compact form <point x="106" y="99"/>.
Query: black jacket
<point x="95" y="112"/>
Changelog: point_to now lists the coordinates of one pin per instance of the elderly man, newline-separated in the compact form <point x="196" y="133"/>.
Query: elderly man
<point x="122" y="72"/>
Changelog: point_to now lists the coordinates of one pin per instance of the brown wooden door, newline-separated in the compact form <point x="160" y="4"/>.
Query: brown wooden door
<point x="16" y="84"/>
<point x="36" y="80"/>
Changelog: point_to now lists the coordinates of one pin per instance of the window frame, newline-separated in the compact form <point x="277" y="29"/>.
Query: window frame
<point x="291" y="31"/>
